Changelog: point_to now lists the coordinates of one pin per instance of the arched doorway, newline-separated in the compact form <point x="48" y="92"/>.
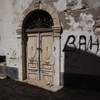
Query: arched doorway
<point x="39" y="46"/>
<point x="39" y="30"/>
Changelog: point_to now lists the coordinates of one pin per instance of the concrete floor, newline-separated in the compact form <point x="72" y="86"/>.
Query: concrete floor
<point x="14" y="90"/>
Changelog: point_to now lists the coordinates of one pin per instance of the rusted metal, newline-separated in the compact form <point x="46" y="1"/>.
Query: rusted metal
<point x="40" y="22"/>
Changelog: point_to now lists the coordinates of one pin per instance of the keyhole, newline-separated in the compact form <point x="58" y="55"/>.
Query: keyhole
<point x="46" y="48"/>
<point x="31" y="48"/>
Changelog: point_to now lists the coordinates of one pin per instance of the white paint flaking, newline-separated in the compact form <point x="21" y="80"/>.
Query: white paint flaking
<point x="60" y="5"/>
<point x="74" y="25"/>
<point x="74" y="4"/>
<point x="85" y="22"/>
<point x="94" y="4"/>
<point x="9" y="36"/>
<point x="78" y="5"/>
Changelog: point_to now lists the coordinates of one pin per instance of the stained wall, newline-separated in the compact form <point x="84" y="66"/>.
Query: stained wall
<point x="80" y="35"/>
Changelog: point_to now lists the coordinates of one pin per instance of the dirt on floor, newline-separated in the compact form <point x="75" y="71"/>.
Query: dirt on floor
<point x="14" y="90"/>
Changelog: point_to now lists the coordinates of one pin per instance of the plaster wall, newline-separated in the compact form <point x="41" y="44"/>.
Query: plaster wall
<point x="10" y="12"/>
<point x="77" y="17"/>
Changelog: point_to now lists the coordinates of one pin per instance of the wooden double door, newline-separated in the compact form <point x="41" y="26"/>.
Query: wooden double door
<point x="40" y="57"/>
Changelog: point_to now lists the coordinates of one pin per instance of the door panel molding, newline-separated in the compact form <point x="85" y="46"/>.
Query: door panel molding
<point x="22" y="32"/>
<point x="41" y="64"/>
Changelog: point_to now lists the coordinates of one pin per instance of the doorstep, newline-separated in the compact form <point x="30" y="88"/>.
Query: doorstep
<point x="42" y="84"/>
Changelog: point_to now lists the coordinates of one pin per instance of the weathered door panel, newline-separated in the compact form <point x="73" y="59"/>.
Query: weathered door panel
<point x="32" y="57"/>
<point x="40" y="57"/>
<point x="48" y="78"/>
<point x="47" y="58"/>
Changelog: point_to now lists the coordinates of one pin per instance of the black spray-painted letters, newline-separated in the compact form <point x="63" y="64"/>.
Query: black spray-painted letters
<point x="82" y="42"/>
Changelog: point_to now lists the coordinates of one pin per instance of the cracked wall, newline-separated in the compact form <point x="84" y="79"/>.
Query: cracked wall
<point x="80" y="21"/>
<point x="77" y="17"/>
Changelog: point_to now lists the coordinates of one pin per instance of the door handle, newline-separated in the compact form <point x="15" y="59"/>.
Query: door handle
<point x="39" y="49"/>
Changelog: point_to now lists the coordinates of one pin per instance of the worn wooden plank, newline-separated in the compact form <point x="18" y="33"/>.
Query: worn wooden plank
<point x="39" y="30"/>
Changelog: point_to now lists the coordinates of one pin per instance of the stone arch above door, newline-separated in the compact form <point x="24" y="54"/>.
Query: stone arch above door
<point x="22" y="38"/>
<point x="38" y="4"/>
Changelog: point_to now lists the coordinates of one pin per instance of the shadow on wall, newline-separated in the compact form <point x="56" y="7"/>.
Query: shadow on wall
<point x="82" y="69"/>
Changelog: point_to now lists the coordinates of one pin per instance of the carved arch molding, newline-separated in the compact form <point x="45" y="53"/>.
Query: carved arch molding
<point x="38" y="4"/>
<point x="56" y="28"/>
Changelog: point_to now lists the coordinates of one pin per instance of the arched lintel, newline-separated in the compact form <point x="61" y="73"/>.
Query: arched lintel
<point x="37" y="4"/>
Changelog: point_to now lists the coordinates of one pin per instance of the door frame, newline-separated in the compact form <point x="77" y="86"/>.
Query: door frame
<point x="22" y="38"/>
<point x="41" y="70"/>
